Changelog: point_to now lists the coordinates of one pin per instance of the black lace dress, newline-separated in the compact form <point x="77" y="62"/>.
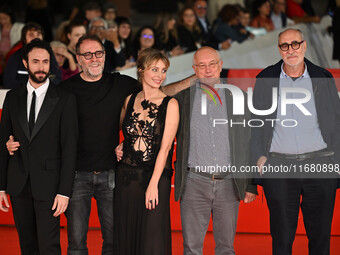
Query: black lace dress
<point x="140" y="231"/>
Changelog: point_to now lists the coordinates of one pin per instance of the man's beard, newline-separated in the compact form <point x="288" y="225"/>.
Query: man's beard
<point x="36" y="79"/>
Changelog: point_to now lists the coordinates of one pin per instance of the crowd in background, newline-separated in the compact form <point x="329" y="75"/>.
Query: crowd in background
<point x="175" y="33"/>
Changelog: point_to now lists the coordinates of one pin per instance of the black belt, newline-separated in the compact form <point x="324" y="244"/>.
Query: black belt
<point x="217" y="176"/>
<point x="304" y="156"/>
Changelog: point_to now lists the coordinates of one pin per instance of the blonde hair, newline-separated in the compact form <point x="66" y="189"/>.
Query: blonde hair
<point x="146" y="58"/>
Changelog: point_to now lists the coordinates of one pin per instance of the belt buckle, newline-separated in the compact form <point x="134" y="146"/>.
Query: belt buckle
<point x="216" y="178"/>
<point x="300" y="157"/>
<point x="96" y="172"/>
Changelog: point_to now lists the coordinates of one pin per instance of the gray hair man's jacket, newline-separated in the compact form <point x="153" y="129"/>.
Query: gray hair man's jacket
<point x="239" y="139"/>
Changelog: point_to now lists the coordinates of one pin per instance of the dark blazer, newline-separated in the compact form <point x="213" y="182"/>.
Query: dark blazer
<point x="208" y="39"/>
<point x="48" y="156"/>
<point x="239" y="139"/>
<point x="112" y="58"/>
<point x="327" y="105"/>
<point x="188" y="39"/>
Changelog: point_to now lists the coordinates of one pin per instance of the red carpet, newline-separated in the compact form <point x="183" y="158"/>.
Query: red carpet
<point x="245" y="244"/>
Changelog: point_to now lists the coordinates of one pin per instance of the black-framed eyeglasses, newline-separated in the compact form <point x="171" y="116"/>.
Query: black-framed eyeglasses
<point x="295" y="45"/>
<point x="89" y="55"/>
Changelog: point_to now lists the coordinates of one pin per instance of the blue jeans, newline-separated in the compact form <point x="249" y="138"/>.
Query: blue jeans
<point x="87" y="185"/>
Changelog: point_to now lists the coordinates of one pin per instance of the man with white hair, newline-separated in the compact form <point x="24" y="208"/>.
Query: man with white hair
<point x="313" y="143"/>
<point x="109" y="36"/>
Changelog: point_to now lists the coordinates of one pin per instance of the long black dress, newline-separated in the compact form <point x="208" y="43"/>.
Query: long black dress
<point x="140" y="231"/>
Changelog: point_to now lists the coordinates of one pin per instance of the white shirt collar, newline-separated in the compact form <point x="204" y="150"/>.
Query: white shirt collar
<point x="39" y="91"/>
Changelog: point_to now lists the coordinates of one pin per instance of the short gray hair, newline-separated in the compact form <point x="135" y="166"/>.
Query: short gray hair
<point x="98" y="18"/>
<point x="203" y="48"/>
<point x="293" y="29"/>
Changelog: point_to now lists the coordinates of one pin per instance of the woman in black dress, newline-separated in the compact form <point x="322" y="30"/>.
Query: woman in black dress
<point x="149" y="122"/>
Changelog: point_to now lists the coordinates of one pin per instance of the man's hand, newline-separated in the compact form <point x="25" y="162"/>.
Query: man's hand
<point x="60" y="204"/>
<point x="12" y="146"/>
<point x="4" y="199"/>
<point x="249" y="197"/>
<point x="111" y="34"/>
<point x="119" y="152"/>
<point x="262" y="160"/>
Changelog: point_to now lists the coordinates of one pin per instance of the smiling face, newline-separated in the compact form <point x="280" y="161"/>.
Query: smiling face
<point x="207" y="65"/>
<point x="38" y="66"/>
<point x="154" y="75"/>
<point x="92" y="68"/>
<point x="292" y="58"/>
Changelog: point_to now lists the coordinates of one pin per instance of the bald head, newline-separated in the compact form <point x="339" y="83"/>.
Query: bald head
<point x="203" y="52"/>
<point x="207" y="65"/>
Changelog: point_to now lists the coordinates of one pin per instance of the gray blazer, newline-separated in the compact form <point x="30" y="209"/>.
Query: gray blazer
<point x="239" y="139"/>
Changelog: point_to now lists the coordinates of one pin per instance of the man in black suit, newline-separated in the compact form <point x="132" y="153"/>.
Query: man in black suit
<point x="39" y="174"/>
<point x="307" y="149"/>
<point x="200" y="7"/>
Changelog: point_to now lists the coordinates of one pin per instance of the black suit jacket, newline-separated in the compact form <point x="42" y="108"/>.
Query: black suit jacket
<point x="208" y="39"/>
<point x="112" y="58"/>
<point x="327" y="105"/>
<point x="48" y="156"/>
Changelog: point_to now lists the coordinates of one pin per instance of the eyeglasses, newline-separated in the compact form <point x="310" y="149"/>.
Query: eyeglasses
<point x="97" y="28"/>
<point x="212" y="65"/>
<point x="147" y="36"/>
<point x="89" y="55"/>
<point x="295" y="45"/>
<point x="200" y="7"/>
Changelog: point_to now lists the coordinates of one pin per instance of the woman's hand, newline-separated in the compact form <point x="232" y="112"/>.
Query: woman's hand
<point x="119" y="152"/>
<point x="151" y="196"/>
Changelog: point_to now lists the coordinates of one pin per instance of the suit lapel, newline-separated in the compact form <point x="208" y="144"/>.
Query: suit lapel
<point x="50" y="101"/>
<point x="22" y="114"/>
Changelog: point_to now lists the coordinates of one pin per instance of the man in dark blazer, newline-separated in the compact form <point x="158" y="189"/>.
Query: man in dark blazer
<point x="217" y="193"/>
<point x="39" y="174"/>
<point x="208" y="39"/>
<point x="313" y="143"/>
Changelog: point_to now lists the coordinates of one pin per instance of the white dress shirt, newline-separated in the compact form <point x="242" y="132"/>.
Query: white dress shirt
<point x="40" y="96"/>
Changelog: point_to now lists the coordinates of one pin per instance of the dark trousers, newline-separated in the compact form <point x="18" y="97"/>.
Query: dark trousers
<point x="316" y="196"/>
<point x="39" y="231"/>
<point x="87" y="185"/>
